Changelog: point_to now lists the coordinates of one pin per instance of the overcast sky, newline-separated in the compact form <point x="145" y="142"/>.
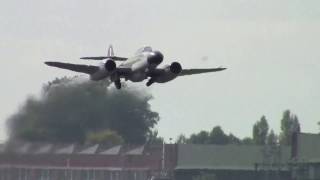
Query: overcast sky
<point x="271" y="50"/>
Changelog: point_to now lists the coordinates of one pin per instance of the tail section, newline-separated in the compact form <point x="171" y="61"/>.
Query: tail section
<point x="110" y="51"/>
<point x="110" y="55"/>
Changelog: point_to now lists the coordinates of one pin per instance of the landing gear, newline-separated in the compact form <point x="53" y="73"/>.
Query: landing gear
<point x="151" y="81"/>
<point x="117" y="83"/>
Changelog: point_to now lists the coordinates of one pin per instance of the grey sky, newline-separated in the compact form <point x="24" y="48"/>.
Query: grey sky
<point x="270" y="47"/>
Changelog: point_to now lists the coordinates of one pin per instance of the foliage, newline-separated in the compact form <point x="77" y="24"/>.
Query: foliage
<point x="201" y="138"/>
<point x="272" y="139"/>
<point x="70" y="108"/>
<point x="232" y="139"/>
<point x="215" y="136"/>
<point x="289" y="125"/>
<point x="153" y="138"/>
<point x="73" y="110"/>
<point x="260" y="131"/>
<point x="181" y="139"/>
<point x="260" y="134"/>
<point x="104" y="137"/>
<point x="247" y="141"/>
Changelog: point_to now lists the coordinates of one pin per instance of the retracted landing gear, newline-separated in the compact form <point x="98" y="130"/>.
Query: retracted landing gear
<point x="151" y="81"/>
<point x="117" y="83"/>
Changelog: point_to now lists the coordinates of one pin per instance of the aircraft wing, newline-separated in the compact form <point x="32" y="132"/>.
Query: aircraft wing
<point x="74" y="67"/>
<point x="199" y="71"/>
<point x="115" y="58"/>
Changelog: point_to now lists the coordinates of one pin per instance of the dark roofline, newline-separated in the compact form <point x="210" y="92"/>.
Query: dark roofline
<point x="34" y="147"/>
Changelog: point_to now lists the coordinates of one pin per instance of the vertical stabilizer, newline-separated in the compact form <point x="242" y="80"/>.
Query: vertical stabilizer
<point x="110" y="51"/>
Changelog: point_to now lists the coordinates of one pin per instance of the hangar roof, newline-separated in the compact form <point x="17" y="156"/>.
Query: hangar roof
<point x="308" y="148"/>
<point x="44" y="149"/>
<point x="112" y="151"/>
<point x="236" y="157"/>
<point x="90" y="150"/>
<point x="66" y="150"/>
<point x="136" y="151"/>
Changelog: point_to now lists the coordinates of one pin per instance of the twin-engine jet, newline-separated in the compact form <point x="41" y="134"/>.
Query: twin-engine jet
<point x="143" y="65"/>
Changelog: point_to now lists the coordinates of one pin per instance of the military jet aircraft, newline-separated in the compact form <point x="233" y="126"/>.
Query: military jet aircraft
<point x="143" y="65"/>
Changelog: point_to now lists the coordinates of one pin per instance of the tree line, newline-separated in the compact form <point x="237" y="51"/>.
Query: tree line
<point x="70" y="110"/>
<point x="261" y="133"/>
<point x="73" y="110"/>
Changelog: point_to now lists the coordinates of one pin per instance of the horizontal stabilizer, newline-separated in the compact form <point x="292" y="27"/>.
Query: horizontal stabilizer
<point x="115" y="58"/>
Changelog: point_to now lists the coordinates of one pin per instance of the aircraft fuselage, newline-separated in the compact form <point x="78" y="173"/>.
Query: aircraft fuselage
<point x="139" y="65"/>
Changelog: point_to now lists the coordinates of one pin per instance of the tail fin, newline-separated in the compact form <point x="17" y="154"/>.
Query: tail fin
<point x="110" y="51"/>
<point x="109" y="55"/>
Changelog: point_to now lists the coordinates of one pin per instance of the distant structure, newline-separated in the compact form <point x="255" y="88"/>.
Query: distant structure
<point x="240" y="162"/>
<point x="305" y="162"/>
<point x="26" y="161"/>
<point x="35" y="161"/>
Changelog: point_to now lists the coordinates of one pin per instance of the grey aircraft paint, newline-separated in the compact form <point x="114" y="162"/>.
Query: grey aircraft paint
<point x="143" y="65"/>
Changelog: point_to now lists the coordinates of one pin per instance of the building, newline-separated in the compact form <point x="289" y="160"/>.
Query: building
<point x="238" y="162"/>
<point x="38" y="161"/>
<point x="26" y="161"/>
<point x="306" y="156"/>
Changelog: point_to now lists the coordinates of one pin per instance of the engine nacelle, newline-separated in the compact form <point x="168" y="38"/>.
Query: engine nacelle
<point x="175" y="68"/>
<point x="170" y="72"/>
<point x="110" y="65"/>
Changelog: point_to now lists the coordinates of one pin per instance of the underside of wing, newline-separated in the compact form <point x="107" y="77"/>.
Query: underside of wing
<point x="199" y="71"/>
<point x="115" y="58"/>
<point x="74" y="67"/>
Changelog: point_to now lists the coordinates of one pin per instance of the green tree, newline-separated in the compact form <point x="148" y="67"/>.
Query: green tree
<point x="69" y="109"/>
<point x="272" y="139"/>
<point x="201" y="138"/>
<point x="181" y="139"/>
<point x="233" y="139"/>
<point x="153" y="138"/>
<point x="104" y="137"/>
<point x="289" y="125"/>
<point x="247" y="141"/>
<point x="260" y="131"/>
<point x="217" y="136"/>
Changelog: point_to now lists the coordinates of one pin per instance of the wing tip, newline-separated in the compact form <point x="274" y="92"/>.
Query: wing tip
<point x="87" y="58"/>
<point x="220" y="69"/>
<point x="48" y="63"/>
<point x="52" y="63"/>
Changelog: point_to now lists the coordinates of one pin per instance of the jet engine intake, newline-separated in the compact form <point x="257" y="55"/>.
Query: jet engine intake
<point x="169" y="73"/>
<point x="110" y="65"/>
<point x="175" y="68"/>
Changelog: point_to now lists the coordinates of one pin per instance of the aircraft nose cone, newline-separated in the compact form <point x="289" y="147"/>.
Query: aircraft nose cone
<point x="155" y="57"/>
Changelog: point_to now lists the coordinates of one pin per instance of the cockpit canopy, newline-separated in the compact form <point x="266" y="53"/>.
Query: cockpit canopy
<point x="144" y="49"/>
